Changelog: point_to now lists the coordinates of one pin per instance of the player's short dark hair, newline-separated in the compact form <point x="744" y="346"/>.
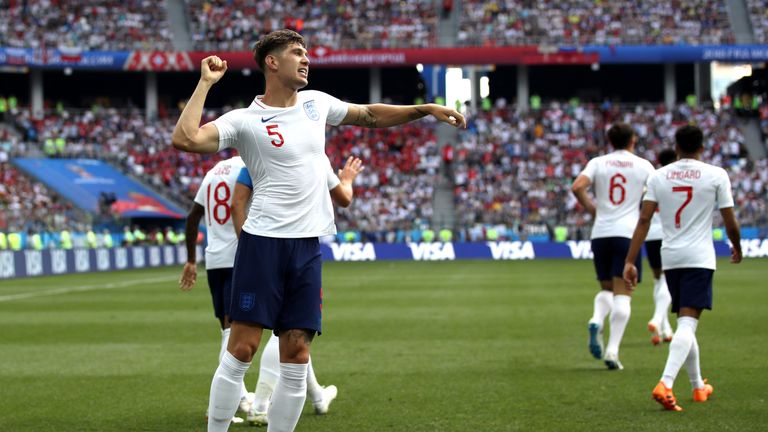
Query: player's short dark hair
<point x="667" y="156"/>
<point x="275" y="41"/>
<point x="689" y="139"/>
<point x="620" y="135"/>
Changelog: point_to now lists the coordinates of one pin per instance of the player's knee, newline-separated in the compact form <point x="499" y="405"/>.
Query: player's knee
<point x="242" y="350"/>
<point x="294" y="346"/>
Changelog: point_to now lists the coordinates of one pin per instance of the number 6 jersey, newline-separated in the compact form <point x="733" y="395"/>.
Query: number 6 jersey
<point x="687" y="192"/>
<point x="215" y="195"/>
<point x="618" y="179"/>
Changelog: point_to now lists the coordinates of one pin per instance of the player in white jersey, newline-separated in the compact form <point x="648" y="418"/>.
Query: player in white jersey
<point x="281" y="138"/>
<point x="269" y="366"/>
<point x="686" y="192"/>
<point x="618" y="180"/>
<point x="213" y="203"/>
<point x="659" y="324"/>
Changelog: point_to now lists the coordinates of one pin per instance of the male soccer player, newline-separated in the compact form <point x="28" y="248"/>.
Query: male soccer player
<point x="659" y="324"/>
<point x="686" y="192"/>
<point x="269" y="367"/>
<point x="277" y="276"/>
<point x="618" y="179"/>
<point x="214" y="202"/>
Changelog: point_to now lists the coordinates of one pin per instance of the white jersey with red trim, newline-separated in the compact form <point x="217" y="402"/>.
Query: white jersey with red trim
<point x="284" y="150"/>
<point x="215" y="195"/>
<point x="618" y="180"/>
<point x="688" y="192"/>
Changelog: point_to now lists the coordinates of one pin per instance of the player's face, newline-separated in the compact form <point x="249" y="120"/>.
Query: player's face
<point x="294" y="66"/>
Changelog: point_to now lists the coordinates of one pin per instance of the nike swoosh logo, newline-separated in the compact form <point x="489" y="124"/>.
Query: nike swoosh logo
<point x="264" y="120"/>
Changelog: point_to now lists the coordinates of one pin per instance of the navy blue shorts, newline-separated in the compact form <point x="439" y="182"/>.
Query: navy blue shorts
<point x="220" y="284"/>
<point x="277" y="283"/>
<point x="609" y="255"/>
<point x="690" y="287"/>
<point x="653" y="252"/>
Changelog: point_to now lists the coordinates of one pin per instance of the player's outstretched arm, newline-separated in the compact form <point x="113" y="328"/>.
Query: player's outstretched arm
<point x="638" y="237"/>
<point x="734" y="233"/>
<point x="189" y="274"/>
<point x="383" y="115"/>
<point x="188" y="136"/>
<point x="343" y="193"/>
<point x="579" y="189"/>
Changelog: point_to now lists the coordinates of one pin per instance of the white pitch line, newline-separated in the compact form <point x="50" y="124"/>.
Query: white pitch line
<point x="68" y="290"/>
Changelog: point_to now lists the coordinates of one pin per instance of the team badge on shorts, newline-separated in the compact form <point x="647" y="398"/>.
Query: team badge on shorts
<point x="311" y="110"/>
<point x="247" y="300"/>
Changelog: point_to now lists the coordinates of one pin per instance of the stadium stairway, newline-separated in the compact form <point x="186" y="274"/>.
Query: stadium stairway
<point x="753" y="138"/>
<point x="738" y="15"/>
<point x="444" y="214"/>
<point x="177" y="17"/>
<point x="448" y="26"/>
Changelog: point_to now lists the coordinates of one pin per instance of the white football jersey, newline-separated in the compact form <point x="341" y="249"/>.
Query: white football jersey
<point x="687" y="192"/>
<point x="618" y="179"/>
<point x="284" y="150"/>
<point x="215" y="195"/>
<point x="655" y="232"/>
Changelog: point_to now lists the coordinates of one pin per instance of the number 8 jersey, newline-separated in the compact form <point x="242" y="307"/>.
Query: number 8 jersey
<point x="215" y="195"/>
<point x="618" y="180"/>
<point x="687" y="192"/>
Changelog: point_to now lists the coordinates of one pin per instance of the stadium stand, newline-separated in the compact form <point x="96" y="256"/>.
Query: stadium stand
<point x="758" y="13"/>
<point x="233" y="26"/>
<point x="87" y="25"/>
<point x="594" y="22"/>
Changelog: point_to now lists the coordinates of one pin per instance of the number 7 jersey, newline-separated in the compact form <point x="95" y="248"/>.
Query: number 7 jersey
<point x="215" y="195"/>
<point x="687" y="193"/>
<point x="618" y="179"/>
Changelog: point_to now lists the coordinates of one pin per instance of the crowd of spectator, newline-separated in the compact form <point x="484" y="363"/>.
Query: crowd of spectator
<point x="601" y="22"/>
<point x="26" y="204"/>
<point x="510" y="171"/>
<point x="514" y="170"/>
<point x="395" y="191"/>
<point x="758" y="13"/>
<point x="233" y="25"/>
<point x="118" y="25"/>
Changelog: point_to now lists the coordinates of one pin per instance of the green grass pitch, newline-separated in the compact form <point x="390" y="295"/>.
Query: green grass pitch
<point x="412" y="346"/>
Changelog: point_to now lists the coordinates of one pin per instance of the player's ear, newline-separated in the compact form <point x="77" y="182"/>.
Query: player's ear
<point x="270" y="61"/>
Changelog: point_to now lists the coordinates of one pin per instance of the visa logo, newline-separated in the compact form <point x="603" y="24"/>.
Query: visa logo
<point x="432" y="251"/>
<point x="353" y="252"/>
<point x="511" y="250"/>
<point x="580" y="249"/>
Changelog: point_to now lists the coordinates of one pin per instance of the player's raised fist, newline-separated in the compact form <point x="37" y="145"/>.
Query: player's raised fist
<point x="212" y="69"/>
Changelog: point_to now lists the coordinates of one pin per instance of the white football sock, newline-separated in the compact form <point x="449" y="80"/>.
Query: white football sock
<point x="288" y="398"/>
<point x="225" y="392"/>
<point x="314" y="390"/>
<point x="679" y="349"/>
<point x="661" y="300"/>
<point x="269" y="372"/>
<point x="603" y="306"/>
<point x="224" y="343"/>
<point x="620" y="313"/>
<point x="692" y="365"/>
<point x="666" y="327"/>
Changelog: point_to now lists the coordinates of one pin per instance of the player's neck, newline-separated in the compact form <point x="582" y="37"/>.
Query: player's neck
<point x="694" y="156"/>
<point x="279" y="96"/>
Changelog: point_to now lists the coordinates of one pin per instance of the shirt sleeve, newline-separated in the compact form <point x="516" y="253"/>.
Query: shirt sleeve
<point x="589" y="170"/>
<point x="724" y="194"/>
<point x="244" y="178"/>
<point x="333" y="181"/>
<point x="650" y="188"/>
<point x="337" y="110"/>
<point x="228" y="126"/>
